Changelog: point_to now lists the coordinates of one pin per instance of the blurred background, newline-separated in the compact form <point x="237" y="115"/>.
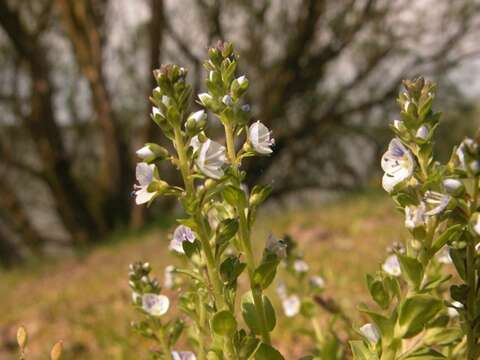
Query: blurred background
<point x="75" y="76"/>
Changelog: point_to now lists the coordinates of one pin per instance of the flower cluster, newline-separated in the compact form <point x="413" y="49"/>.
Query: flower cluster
<point x="440" y="205"/>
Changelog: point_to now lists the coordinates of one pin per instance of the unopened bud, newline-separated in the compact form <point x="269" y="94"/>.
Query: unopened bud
<point x="22" y="337"/>
<point x="57" y="350"/>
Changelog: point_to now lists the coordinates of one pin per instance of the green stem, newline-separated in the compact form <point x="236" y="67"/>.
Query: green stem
<point x="203" y="235"/>
<point x="244" y="236"/>
<point x="472" y="286"/>
<point x="317" y="330"/>
<point x="229" y="348"/>
<point x="163" y="341"/>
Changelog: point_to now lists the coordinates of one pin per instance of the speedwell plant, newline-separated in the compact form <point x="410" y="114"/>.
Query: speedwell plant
<point x="214" y="237"/>
<point x="421" y="312"/>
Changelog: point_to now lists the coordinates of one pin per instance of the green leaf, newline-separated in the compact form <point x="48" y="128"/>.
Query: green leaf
<point x="265" y="273"/>
<point x="224" y="323"/>
<point x="449" y="235"/>
<point x="231" y="268"/>
<point x="259" y="194"/>
<point x="411" y="269"/>
<point x="378" y="292"/>
<point x="248" y="347"/>
<point x="308" y="309"/>
<point x="266" y="352"/>
<point x="234" y="196"/>
<point x="361" y="352"/>
<point x="426" y="354"/>
<point x="459" y="260"/>
<point x="226" y="230"/>
<point x="249" y="313"/>
<point x="414" y="314"/>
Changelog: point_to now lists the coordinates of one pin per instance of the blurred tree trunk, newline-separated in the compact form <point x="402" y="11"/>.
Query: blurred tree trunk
<point x="151" y="132"/>
<point x="70" y="201"/>
<point x="83" y="23"/>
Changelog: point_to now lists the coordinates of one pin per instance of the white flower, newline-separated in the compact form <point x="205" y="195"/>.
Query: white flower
<point x="135" y="297"/>
<point x="422" y="133"/>
<point x="227" y="100"/>
<point x="182" y="233"/>
<point x="391" y="266"/>
<point x="195" y="143"/>
<point x="211" y="158"/>
<point x="281" y="290"/>
<point x="291" y="305"/>
<point x="476" y="226"/>
<point x="156" y="111"/>
<point x="300" y="266"/>
<point x="144" y="175"/>
<point x="165" y="100"/>
<point x="156" y="90"/>
<point x="453" y="310"/>
<point x="155" y="305"/>
<point x="277" y="247"/>
<point x="317" y="282"/>
<point x="443" y="256"/>
<point x="371" y="332"/>
<point x="241" y="80"/>
<point x="183" y="355"/>
<point x="438" y="200"/>
<point x="397" y="163"/>
<point x="168" y="280"/>
<point x="199" y="115"/>
<point x="145" y="152"/>
<point x="260" y="138"/>
<point x="415" y="216"/>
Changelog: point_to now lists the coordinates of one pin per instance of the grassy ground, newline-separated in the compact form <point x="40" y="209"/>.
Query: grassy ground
<point x="85" y="301"/>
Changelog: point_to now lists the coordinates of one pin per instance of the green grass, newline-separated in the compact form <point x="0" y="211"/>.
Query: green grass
<point x="86" y="301"/>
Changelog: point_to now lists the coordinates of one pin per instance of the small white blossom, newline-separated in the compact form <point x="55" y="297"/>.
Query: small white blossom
<point x="415" y="216"/>
<point x="300" y="266"/>
<point x="168" y="280"/>
<point x="476" y="225"/>
<point x="281" y="290"/>
<point x="156" y="111"/>
<point x="291" y="305"/>
<point x="156" y="90"/>
<point x="182" y="233"/>
<point x="195" y="143"/>
<point x="260" y="138"/>
<point x="135" y="297"/>
<point x="155" y="305"/>
<point x="453" y="310"/>
<point x="422" y="133"/>
<point x="277" y="247"/>
<point x="443" y="256"/>
<point x="371" y="332"/>
<point x="317" y="282"/>
<point x="391" y="266"/>
<point x="145" y="152"/>
<point x="144" y="174"/>
<point x="438" y="200"/>
<point x="397" y="163"/>
<point x="211" y="159"/>
<point x="183" y="355"/>
<point x="227" y="100"/>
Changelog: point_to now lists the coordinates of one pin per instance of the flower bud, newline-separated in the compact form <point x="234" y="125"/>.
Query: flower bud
<point x="22" y="337"/>
<point x="151" y="152"/>
<point x="205" y="99"/>
<point x="370" y="332"/>
<point x="227" y="100"/>
<point x="453" y="186"/>
<point x="239" y="86"/>
<point x="196" y="122"/>
<point x="245" y="108"/>
<point x="57" y="350"/>
<point x="422" y="133"/>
